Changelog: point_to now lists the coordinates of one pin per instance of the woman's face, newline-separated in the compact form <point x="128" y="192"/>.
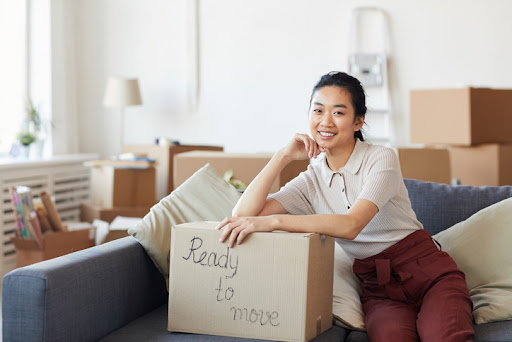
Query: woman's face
<point x="331" y="118"/>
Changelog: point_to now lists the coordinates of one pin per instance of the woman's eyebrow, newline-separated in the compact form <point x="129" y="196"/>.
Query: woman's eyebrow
<point x="336" y="105"/>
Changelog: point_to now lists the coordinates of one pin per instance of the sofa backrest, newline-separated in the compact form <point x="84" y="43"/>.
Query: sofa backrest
<point x="440" y="206"/>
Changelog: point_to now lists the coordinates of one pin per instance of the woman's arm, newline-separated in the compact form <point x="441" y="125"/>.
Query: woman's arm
<point x="346" y="226"/>
<point x="254" y="200"/>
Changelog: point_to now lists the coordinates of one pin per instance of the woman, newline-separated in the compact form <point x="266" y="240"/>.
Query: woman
<point x="356" y="193"/>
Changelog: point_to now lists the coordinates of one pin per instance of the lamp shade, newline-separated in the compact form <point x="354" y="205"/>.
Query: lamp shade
<point x="122" y="92"/>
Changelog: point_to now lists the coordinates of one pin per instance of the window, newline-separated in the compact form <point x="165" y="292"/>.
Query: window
<point x="13" y="69"/>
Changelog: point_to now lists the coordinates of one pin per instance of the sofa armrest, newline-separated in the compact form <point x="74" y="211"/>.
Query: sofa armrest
<point x="81" y="296"/>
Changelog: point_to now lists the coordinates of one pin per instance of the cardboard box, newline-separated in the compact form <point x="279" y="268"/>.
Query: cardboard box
<point x="487" y="164"/>
<point x="245" y="166"/>
<point x="465" y="116"/>
<point x="426" y="164"/>
<point x="90" y="212"/>
<point x="117" y="229"/>
<point x="164" y="156"/>
<point x="55" y="244"/>
<point x="275" y="286"/>
<point x="123" y="187"/>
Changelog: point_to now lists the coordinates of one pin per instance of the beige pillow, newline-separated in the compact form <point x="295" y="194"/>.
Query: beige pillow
<point x="481" y="248"/>
<point x="203" y="197"/>
<point x="346" y="300"/>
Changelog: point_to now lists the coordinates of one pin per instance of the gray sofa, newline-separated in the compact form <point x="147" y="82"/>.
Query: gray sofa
<point x="113" y="292"/>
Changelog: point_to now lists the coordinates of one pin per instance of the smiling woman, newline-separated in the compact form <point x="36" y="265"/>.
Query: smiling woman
<point x="356" y="194"/>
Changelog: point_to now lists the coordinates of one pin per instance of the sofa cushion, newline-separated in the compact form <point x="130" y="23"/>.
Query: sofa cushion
<point x="440" y="206"/>
<point x="346" y="303"/>
<point x="480" y="246"/>
<point x="205" y="196"/>
<point x="153" y="327"/>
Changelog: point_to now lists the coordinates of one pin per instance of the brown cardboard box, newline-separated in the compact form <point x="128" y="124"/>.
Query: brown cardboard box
<point x="426" y="164"/>
<point x="55" y="244"/>
<point x="275" y="286"/>
<point x="465" y="116"/>
<point x="487" y="164"/>
<point x="245" y="166"/>
<point x="90" y="212"/>
<point x="164" y="158"/>
<point x="116" y="229"/>
<point x="123" y="187"/>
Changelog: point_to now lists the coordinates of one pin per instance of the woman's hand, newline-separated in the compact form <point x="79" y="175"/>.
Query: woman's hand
<point x="237" y="228"/>
<point x="302" y="146"/>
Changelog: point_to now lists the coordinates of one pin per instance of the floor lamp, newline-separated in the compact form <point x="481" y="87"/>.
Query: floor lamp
<point x="121" y="92"/>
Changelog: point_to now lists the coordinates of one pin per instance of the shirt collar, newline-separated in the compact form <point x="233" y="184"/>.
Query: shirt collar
<point x="353" y="164"/>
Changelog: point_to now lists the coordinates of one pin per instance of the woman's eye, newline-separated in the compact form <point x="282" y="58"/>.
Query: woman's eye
<point x="338" y="113"/>
<point x="317" y="110"/>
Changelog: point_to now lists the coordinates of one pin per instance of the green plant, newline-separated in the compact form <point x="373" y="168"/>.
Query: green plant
<point x="33" y="115"/>
<point x="228" y="177"/>
<point x="26" y="138"/>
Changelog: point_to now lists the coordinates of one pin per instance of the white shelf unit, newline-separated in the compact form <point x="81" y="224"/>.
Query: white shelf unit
<point x="63" y="177"/>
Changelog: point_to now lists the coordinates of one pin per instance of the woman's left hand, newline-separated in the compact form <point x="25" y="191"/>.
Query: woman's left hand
<point x="237" y="228"/>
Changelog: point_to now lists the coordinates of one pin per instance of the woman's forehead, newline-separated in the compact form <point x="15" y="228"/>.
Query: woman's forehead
<point x="332" y="95"/>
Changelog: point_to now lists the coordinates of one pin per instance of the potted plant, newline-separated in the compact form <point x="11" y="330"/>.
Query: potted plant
<point x="30" y="136"/>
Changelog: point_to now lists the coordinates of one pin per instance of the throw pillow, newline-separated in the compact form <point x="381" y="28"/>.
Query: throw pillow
<point x="346" y="300"/>
<point x="480" y="246"/>
<point x="205" y="196"/>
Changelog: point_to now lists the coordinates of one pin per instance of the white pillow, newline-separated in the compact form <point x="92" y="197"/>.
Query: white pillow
<point x="346" y="300"/>
<point x="481" y="247"/>
<point x="203" y="197"/>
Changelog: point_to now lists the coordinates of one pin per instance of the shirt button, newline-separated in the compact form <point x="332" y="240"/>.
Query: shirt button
<point x="348" y="207"/>
<point x="342" y="190"/>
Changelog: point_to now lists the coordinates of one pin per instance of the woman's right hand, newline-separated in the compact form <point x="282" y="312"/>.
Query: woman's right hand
<point x="302" y="146"/>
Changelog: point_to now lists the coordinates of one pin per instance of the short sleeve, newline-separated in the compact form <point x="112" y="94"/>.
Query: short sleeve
<point x="294" y="196"/>
<point x="382" y="177"/>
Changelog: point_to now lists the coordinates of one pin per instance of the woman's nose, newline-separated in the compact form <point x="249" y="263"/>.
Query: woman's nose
<point x="326" y="120"/>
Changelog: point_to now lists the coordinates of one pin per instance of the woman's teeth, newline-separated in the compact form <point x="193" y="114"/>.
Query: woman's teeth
<point x="326" y="134"/>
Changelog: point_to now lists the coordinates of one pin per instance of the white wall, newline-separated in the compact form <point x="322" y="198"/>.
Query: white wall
<point x="260" y="59"/>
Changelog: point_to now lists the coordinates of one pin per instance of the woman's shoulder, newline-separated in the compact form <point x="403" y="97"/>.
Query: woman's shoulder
<point x="380" y="151"/>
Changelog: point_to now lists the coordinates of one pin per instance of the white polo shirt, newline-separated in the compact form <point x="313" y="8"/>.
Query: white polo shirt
<point x="373" y="173"/>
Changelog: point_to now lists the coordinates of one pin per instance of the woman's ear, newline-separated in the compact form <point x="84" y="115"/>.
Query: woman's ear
<point x="359" y="121"/>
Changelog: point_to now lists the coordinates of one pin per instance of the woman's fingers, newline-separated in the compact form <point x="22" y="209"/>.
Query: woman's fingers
<point x="311" y="147"/>
<point x="234" y="235"/>
<point x="227" y="226"/>
<point x="231" y="226"/>
<point x="302" y="146"/>
<point x="223" y="223"/>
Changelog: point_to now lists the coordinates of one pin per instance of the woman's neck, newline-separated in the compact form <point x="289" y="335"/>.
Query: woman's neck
<point x="338" y="158"/>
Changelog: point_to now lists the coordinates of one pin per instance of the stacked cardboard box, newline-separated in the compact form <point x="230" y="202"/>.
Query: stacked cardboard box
<point x="119" y="189"/>
<point x="164" y="157"/>
<point x="245" y="166"/>
<point x="476" y="125"/>
<point x="430" y="164"/>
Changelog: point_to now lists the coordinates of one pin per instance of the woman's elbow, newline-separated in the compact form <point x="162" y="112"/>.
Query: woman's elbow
<point x="354" y="229"/>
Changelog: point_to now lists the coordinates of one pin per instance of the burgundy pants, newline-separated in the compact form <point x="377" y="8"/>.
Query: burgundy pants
<point x="412" y="291"/>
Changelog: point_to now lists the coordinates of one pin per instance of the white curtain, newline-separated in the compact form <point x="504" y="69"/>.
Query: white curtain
<point x="63" y="83"/>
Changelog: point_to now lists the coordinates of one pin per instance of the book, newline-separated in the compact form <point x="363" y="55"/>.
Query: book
<point x="18" y="214"/>
<point x="25" y="202"/>
<point x="35" y="229"/>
